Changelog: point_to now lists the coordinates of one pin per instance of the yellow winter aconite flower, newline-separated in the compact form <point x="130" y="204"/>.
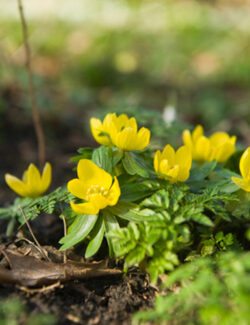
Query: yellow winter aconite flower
<point x="33" y="184"/>
<point x="244" y="182"/>
<point x="120" y="131"/>
<point x="95" y="186"/>
<point x="219" y="146"/>
<point x="100" y="130"/>
<point x="175" y="165"/>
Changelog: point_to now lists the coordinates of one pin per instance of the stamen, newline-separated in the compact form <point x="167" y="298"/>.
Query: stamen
<point x="95" y="190"/>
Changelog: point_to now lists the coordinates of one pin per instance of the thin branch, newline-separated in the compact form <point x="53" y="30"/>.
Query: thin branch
<point x="32" y="234"/>
<point x="34" y="107"/>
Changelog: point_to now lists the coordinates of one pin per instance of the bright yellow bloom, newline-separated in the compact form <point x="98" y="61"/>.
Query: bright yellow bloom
<point x="219" y="146"/>
<point x="95" y="186"/>
<point x="244" y="182"/>
<point x="175" y="165"/>
<point x="100" y="130"/>
<point x="120" y="131"/>
<point x="33" y="184"/>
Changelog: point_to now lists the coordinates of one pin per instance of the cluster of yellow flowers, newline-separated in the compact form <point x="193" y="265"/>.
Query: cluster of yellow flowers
<point x="120" y="131"/>
<point x="218" y="146"/>
<point x="97" y="188"/>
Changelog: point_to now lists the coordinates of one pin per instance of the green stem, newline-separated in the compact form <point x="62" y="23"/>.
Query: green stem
<point x="10" y="227"/>
<point x="217" y="222"/>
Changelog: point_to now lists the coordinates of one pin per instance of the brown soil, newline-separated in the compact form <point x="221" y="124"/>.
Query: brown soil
<point x="108" y="299"/>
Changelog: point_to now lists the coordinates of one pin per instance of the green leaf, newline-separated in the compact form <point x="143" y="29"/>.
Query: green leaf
<point x="117" y="156"/>
<point x="133" y="165"/>
<point x="111" y="224"/>
<point x="160" y="199"/>
<point x="135" y="256"/>
<point x="233" y="162"/>
<point x="85" y="153"/>
<point x="202" y="219"/>
<point x="131" y="212"/>
<point x="102" y="157"/>
<point x="199" y="174"/>
<point x="96" y="235"/>
<point x="79" y="229"/>
<point x="134" y="191"/>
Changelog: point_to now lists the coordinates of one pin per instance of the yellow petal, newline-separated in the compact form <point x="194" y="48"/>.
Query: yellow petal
<point x="233" y="139"/>
<point x="173" y="173"/>
<point x="184" y="161"/>
<point x="157" y="161"/>
<point x="183" y="157"/>
<point x="197" y="133"/>
<point x="245" y="164"/>
<point x="34" y="181"/>
<point x="96" y="129"/>
<point x="84" y="208"/>
<point x="219" y="138"/>
<point x="25" y="176"/>
<point x="242" y="183"/>
<point x="110" y="126"/>
<point x="46" y="177"/>
<point x="187" y="139"/>
<point x="123" y="121"/>
<point x="223" y="152"/>
<point x="17" y="185"/>
<point x="125" y="140"/>
<point x="78" y="188"/>
<point x="109" y="120"/>
<point x="169" y="154"/>
<point x="142" y="139"/>
<point x="183" y="175"/>
<point x="202" y="149"/>
<point x="90" y="174"/>
<point x="132" y="123"/>
<point x="164" y="166"/>
<point x="99" y="201"/>
<point x="114" y="193"/>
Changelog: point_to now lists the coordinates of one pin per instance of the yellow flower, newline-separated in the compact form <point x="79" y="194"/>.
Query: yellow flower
<point x="219" y="146"/>
<point x="175" y="165"/>
<point x="33" y="184"/>
<point x="101" y="130"/>
<point x="244" y="182"/>
<point x="93" y="185"/>
<point x="120" y="131"/>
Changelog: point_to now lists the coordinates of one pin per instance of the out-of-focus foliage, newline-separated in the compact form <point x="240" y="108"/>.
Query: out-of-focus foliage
<point x="206" y="292"/>
<point x="13" y="312"/>
<point x="119" y="54"/>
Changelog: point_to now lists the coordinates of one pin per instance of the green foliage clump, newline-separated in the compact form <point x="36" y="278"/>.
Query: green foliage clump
<point x="34" y="207"/>
<point x="177" y="220"/>
<point x="207" y="291"/>
<point x="14" y="312"/>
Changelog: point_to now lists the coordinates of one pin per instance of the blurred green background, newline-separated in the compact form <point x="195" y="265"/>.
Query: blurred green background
<point x="187" y="58"/>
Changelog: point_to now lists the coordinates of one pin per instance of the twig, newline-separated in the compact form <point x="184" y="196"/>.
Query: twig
<point x="41" y="290"/>
<point x="32" y="234"/>
<point x="34" y="107"/>
<point x="31" y="244"/>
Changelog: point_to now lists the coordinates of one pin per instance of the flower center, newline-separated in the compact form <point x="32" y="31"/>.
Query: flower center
<point x="95" y="190"/>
